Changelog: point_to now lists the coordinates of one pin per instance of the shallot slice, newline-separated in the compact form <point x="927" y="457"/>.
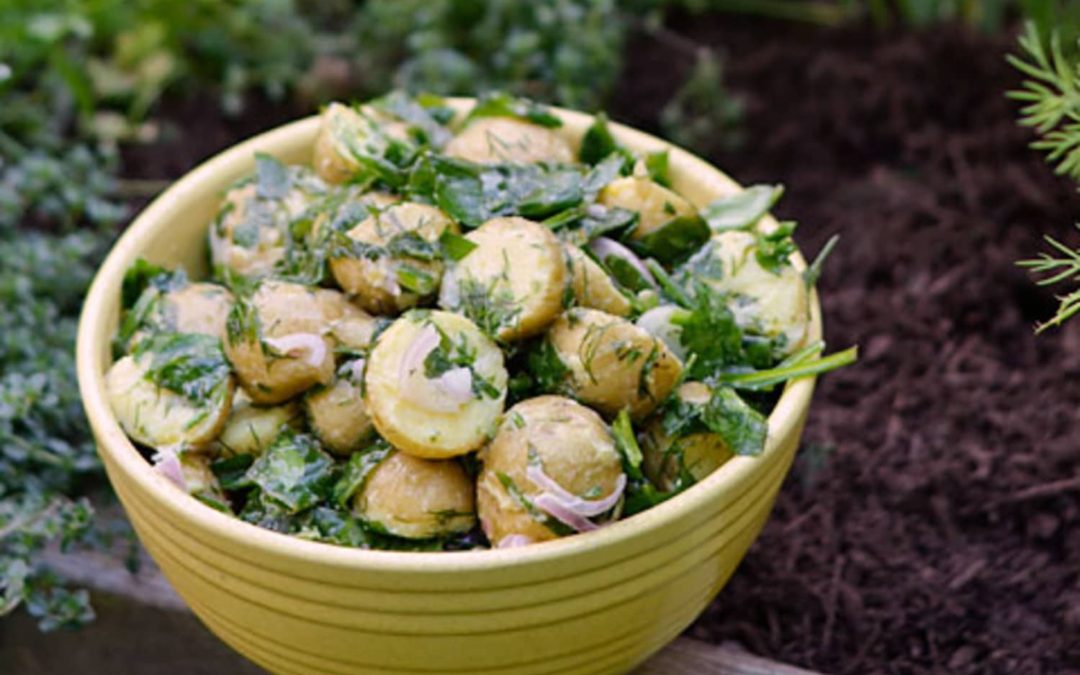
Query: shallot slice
<point x="413" y="358"/>
<point x="514" y="541"/>
<point x="446" y="393"/>
<point x="456" y="383"/>
<point x="582" y="507"/>
<point x="604" y="247"/>
<point x="168" y="464"/>
<point x="296" y="345"/>
<point x="551" y="505"/>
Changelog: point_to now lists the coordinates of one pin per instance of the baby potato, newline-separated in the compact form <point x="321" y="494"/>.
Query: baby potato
<point x="774" y="305"/>
<point x="158" y="417"/>
<point x="348" y="204"/>
<point x="499" y="140"/>
<point x="434" y="384"/>
<point x="280" y="349"/>
<point x="512" y="284"/>
<point x="198" y="308"/>
<point x="337" y="413"/>
<point x="698" y="453"/>
<point x="612" y="363"/>
<point x="592" y="286"/>
<point x="251" y="231"/>
<point x="417" y="498"/>
<point x="343" y="132"/>
<point x="396" y="264"/>
<point x="349" y="326"/>
<point x="567" y="441"/>
<point x="655" y="205"/>
<point x="250" y="428"/>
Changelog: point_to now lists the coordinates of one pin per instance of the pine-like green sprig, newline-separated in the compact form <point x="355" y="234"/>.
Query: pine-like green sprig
<point x="1065" y="268"/>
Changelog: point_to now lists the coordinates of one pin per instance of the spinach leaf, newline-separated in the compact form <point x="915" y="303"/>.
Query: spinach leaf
<point x="190" y="364"/>
<point x="742" y="210"/>
<point x="546" y="368"/>
<point x="454" y="246"/>
<point x="357" y="470"/>
<point x="501" y="104"/>
<point x="418" y="114"/>
<point x="599" y="144"/>
<point x="710" y="333"/>
<point x="656" y="163"/>
<point x="144" y="274"/>
<point x="231" y="472"/>
<point x="294" y="473"/>
<point x="272" y="179"/>
<point x="743" y="429"/>
<point x="674" y="241"/>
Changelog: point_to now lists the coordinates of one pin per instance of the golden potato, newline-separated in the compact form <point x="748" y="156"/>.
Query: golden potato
<point x="698" y="453"/>
<point x="655" y="205"/>
<point x="417" y="498"/>
<point x="344" y="132"/>
<point x="592" y="286"/>
<point x="497" y="140"/>
<point x="434" y="384"/>
<point x="774" y="305"/>
<point x="613" y="364"/>
<point x="512" y="284"/>
<point x="396" y="263"/>
<point x="277" y="341"/>
<point x="250" y="428"/>
<point x="198" y="308"/>
<point x="337" y="414"/>
<point x="158" y="417"/>
<point x="567" y="442"/>
<point x="251" y="232"/>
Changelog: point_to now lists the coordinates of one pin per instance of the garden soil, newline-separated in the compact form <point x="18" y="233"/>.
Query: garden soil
<point x="932" y="520"/>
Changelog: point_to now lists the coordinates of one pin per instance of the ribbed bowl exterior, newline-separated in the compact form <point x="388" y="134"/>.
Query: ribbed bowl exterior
<point x="596" y="603"/>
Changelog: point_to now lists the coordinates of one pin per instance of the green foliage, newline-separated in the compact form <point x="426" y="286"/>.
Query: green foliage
<point x="703" y="115"/>
<point x="1061" y="266"/>
<point x="46" y="452"/>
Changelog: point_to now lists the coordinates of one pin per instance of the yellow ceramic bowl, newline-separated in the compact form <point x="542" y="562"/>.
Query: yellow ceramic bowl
<point x="594" y="603"/>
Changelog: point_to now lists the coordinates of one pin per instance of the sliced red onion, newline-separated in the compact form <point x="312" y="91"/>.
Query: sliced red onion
<point x="657" y="322"/>
<point x="583" y="507"/>
<point x="551" y="505"/>
<point x="604" y="247"/>
<point x="168" y="464"/>
<point x="357" y="368"/>
<point x="514" y="541"/>
<point x="295" y="345"/>
<point x="422" y="345"/>
<point x="456" y="383"/>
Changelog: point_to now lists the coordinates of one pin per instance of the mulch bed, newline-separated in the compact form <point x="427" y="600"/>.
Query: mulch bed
<point x="930" y="522"/>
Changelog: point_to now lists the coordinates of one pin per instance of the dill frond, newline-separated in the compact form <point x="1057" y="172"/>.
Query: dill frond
<point x="1062" y="264"/>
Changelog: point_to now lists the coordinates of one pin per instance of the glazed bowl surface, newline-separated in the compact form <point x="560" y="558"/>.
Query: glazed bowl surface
<point x="600" y="602"/>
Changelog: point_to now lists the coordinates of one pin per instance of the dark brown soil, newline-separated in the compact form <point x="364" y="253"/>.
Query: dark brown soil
<point x="931" y="521"/>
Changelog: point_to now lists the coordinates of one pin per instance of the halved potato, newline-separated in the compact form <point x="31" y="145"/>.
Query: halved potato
<point x="392" y="269"/>
<point x="612" y="363"/>
<point x="698" y="454"/>
<point x="567" y="441"/>
<point x="251" y="428"/>
<point x="158" y="417"/>
<point x="279" y="347"/>
<point x="199" y="307"/>
<point x="344" y="132"/>
<point x="592" y="286"/>
<point x="774" y="305"/>
<point x="655" y="205"/>
<point x="497" y="140"/>
<point x="337" y="413"/>
<point x="417" y="498"/>
<point x="512" y="284"/>
<point x="442" y="412"/>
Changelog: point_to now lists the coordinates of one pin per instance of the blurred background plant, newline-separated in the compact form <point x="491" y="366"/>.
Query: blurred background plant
<point x="84" y="81"/>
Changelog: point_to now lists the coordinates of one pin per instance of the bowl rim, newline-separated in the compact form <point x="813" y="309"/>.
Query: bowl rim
<point x="119" y="453"/>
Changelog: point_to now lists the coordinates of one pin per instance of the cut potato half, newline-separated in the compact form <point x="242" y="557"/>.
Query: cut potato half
<point x="499" y="140"/>
<point x="417" y="498"/>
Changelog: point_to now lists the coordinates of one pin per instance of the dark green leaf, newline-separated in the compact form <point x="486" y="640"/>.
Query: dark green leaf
<point x="775" y="248"/>
<point x="454" y="246"/>
<point x="190" y="364"/>
<point x="294" y="472"/>
<point x="742" y="428"/>
<point x="674" y="241"/>
<point x="357" y="470"/>
<point x="743" y="209"/>
<point x="500" y="104"/>
<point x="656" y="163"/>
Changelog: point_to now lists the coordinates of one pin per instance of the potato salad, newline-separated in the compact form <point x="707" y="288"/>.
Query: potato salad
<point x="462" y="331"/>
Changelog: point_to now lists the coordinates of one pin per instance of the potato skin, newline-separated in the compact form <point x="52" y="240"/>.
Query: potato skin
<point x="592" y="286"/>
<point x="698" y="453"/>
<point x="574" y="447"/>
<point x="157" y="417"/>
<point x="338" y="416"/>
<point x="774" y="305"/>
<point x="497" y="140"/>
<point x="417" y="498"/>
<point x="655" y="205"/>
<point x="250" y="428"/>
<point x="516" y="277"/>
<point x="613" y="364"/>
<point x="282" y="309"/>
<point x="374" y="282"/>
<point x="395" y="397"/>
